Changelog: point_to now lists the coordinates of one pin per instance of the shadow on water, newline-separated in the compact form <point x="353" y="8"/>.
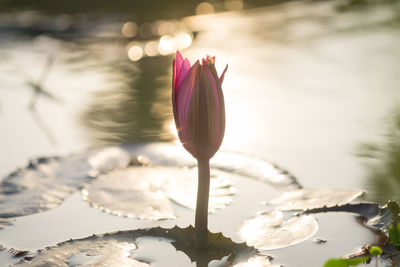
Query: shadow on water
<point x="137" y="111"/>
<point x="383" y="164"/>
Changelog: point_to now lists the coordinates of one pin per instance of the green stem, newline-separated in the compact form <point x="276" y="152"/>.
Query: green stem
<point x="203" y="191"/>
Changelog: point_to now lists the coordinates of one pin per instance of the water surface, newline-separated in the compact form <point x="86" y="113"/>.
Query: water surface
<point x="307" y="85"/>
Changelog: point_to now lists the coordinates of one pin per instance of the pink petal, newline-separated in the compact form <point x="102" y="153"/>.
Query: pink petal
<point x="177" y="68"/>
<point x="221" y="78"/>
<point x="183" y="97"/>
<point x="173" y="76"/>
<point x="184" y="70"/>
<point x="181" y="68"/>
<point x="212" y="81"/>
<point x="179" y="61"/>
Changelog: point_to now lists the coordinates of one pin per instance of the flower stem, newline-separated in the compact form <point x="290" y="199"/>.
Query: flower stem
<point x="203" y="191"/>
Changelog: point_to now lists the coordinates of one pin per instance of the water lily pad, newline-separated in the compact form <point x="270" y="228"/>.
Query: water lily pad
<point x="145" y="192"/>
<point x="42" y="185"/>
<point x="182" y="188"/>
<point x="270" y="231"/>
<point x="108" y="159"/>
<point x="314" y="198"/>
<point x="104" y="251"/>
<point x="118" y="249"/>
<point x="46" y="182"/>
<point x="375" y="216"/>
<point x="255" y="168"/>
<point x="241" y="164"/>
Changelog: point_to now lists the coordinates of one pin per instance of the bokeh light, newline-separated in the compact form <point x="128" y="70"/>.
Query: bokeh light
<point x="164" y="27"/>
<point x="135" y="52"/>
<point x="183" y="40"/>
<point x="129" y="29"/>
<point x="169" y="44"/>
<point x="151" y="48"/>
<point x="204" y="8"/>
<point x="166" y="45"/>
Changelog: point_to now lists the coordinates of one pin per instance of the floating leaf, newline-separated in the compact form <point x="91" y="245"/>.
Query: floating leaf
<point x="241" y="164"/>
<point x="255" y="168"/>
<point x="42" y="185"/>
<point x="109" y="159"/>
<point x="375" y="216"/>
<point x="118" y="249"/>
<point x="182" y="188"/>
<point x="270" y="231"/>
<point x="144" y="192"/>
<point x="344" y="262"/>
<point x="46" y="182"/>
<point x="98" y="251"/>
<point x="314" y="198"/>
<point x="379" y="218"/>
<point x="16" y="253"/>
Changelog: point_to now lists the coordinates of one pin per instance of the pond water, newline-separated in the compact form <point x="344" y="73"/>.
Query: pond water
<point x="309" y="86"/>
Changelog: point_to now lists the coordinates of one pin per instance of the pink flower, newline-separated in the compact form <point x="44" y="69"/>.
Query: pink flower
<point x="198" y="106"/>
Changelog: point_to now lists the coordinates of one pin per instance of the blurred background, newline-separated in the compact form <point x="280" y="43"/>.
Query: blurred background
<point x="312" y="85"/>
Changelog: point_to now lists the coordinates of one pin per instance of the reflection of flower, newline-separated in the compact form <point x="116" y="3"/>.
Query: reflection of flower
<point x="198" y="105"/>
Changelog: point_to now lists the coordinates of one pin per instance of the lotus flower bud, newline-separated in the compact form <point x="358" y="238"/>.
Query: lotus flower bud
<point x="198" y="106"/>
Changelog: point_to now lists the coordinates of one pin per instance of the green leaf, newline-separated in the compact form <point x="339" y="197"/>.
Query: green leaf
<point x="394" y="235"/>
<point x="375" y="251"/>
<point x="335" y="263"/>
<point x="356" y="261"/>
<point x="343" y="262"/>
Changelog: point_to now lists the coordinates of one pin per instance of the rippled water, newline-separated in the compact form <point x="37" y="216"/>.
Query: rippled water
<point x="308" y="84"/>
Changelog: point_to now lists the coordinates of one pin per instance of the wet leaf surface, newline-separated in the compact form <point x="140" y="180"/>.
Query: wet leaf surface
<point x="315" y="198"/>
<point x="145" y="192"/>
<point x="46" y="182"/>
<point x="118" y="249"/>
<point x="182" y="188"/>
<point x="270" y="231"/>
<point x="255" y="168"/>
<point x="96" y="251"/>
<point x="42" y="185"/>
<point x="109" y="159"/>
<point x="241" y="164"/>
